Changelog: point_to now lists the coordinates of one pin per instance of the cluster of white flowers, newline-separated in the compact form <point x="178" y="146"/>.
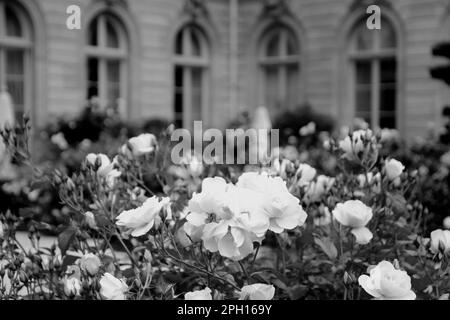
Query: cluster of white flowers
<point x="354" y="144"/>
<point x="104" y="167"/>
<point x="257" y="291"/>
<point x="228" y="218"/>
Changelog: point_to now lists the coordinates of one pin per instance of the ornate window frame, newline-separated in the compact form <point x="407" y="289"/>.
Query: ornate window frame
<point x="130" y="78"/>
<point x="344" y="90"/>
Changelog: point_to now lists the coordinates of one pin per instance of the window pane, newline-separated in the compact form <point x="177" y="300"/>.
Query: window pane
<point x="292" y="86"/>
<point x="364" y="38"/>
<point x="273" y="45"/>
<point x="292" y="48"/>
<point x="112" y="37"/>
<point x="92" y="33"/>
<point x="13" y="26"/>
<point x="387" y="121"/>
<point x="363" y="90"/>
<point x="178" y="98"/>
<point x="179" y="43"/>
<point x="388" y="71"/>
<point x="15" y="79"/>
<point x="387" y="34"/>
<point x="196" y="94"/>
<point x="363" y="72"/>
<point x="388" y="93"/>
<point x="271" y="88"/>
<point x="113" y="84"/>
<point x="92" y="74"/>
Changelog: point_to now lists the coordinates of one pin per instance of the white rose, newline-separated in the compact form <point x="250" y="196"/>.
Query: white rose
<point x="90" y="263"/>
<point x="112" y="288"/>
<point x="305" y="174"/>
<point x="387" y="283"/>
<point x="353" y="145"/>
<point x="257" y="291"/>
<point x="445" y="223"/>
<point x="355" y="214"/>
<point x="393" y="168"/>
<point x="280" y="206"/>
<point x="440" y="239"/>
<point x="142" y="219"/>
<point x="204" y="294"/>
<point x="143" y="144"/>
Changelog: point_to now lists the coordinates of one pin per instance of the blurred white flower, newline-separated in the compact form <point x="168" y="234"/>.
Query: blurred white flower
<point x="370" y="179"/>
<point x="140" y="220"/>
<point x="204" y="294"/>
<point x="143" y="144"/>
<point x="318" y="188"/>
<point x="112" y="288"/>
<point x="355" y="143"/>
<point x="90" y="263"/>
<point x="59" y="140"/>
<point x="72" y="286"/>
<point x="446" y="223"/>
<point x="309" y="129"/>
<point x="356" y="215"/>
<point x="394" y="169"/>
<point x="445" y="159"/>
<point x="104" y="167"/>
<point x="440" y="240"/>
<point x="387" y="283"/>
<point x="389" y="135"/>
<point x="71" y="281"/>
<point x="305" y="174"/>
<point x="90" y="219"/>
<point x="2" y="233"/>
<point x="257" y="291"/>
<point x="324" y="218"/>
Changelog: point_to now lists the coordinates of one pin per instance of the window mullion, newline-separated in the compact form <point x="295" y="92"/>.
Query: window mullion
<point x="187" y="96"/>
<point x="2" y="20"/>
<point x="102" y="82"/>
<point x="375" y="101"/>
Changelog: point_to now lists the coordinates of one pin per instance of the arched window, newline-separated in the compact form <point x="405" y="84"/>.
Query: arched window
<point x="373" y="56"/>
<point x="279" y="62"/>
<point x="16" y="42"/>
<point x="192" y="60"/>
<point x="106" y="61"/>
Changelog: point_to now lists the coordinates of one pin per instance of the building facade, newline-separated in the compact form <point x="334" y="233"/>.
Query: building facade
<point x="186" y="60"/>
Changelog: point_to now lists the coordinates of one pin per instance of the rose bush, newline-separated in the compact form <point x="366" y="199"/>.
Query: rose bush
<point x="318" y="223"/>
